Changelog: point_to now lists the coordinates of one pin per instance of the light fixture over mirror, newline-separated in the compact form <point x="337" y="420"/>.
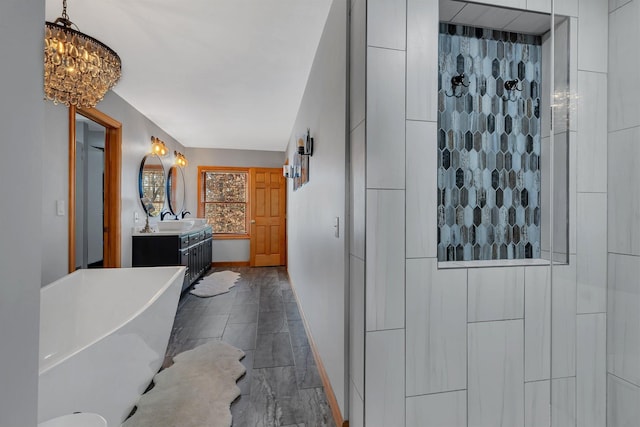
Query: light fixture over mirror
<point x="158" y="147"/>
<point x="78" y="69"/>
<point x="181" y="160"/>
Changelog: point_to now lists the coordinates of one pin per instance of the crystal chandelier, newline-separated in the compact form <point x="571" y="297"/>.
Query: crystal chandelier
<point x="78" y="69"/>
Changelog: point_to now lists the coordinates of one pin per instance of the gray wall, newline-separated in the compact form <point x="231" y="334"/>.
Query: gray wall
<point x="474" y="346"/>
<point x="136" y="143"/>
<point x="225" y="250"/>
<point x="22" y="125"/>
<point x="317" y="265"/>
<point x="623" y="311"/>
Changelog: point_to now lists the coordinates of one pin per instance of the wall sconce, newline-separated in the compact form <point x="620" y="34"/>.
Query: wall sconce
<point x="511" y="86"/>
<point x="181" y="160"/>
<point x="457" y="82"/>
<point x="305" y="144"/>
<point x="158" y="147"/>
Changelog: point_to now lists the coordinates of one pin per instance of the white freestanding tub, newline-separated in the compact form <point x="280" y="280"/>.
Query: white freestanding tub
<point x="103" y="336"/>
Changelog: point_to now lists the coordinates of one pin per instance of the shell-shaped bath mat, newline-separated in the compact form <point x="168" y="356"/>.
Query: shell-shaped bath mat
<point x="215" y="284"/>
<point x="196" y="391"/>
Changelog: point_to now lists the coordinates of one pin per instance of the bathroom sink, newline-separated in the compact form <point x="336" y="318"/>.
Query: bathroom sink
<point x="198" y="222"/>
<point x="181" y="225"/>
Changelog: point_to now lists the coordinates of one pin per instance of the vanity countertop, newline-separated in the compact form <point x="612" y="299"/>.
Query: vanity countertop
<point x="156" y="232"/>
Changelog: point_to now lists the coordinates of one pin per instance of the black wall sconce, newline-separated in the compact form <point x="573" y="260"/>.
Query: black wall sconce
<point x="305" y="144"/>
<point x="511" y="86"/>
<point x="457" y="82"/>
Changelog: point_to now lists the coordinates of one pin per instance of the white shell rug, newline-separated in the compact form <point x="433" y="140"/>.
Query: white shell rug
<point x="196" y="391"/>
<point x="215" y="284"/>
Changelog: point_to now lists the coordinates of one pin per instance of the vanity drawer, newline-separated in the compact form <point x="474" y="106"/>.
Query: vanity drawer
<point x="184" y="241"/>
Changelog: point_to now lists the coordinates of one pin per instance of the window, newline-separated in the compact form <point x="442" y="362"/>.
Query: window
<point x="224" y="197"/>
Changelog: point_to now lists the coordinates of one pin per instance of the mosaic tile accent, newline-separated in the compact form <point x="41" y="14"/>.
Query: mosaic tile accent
<point x="488" y="145"/>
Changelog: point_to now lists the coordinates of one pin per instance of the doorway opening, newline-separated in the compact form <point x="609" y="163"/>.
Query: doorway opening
<point x="95" y="148"/>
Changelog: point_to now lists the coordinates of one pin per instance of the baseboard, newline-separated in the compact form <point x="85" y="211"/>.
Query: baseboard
<point x="230" y="264"/>
<point x="331" y="397"/>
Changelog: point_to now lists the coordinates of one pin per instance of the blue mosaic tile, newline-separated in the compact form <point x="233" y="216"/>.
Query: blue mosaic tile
<point x="488" y="145"/>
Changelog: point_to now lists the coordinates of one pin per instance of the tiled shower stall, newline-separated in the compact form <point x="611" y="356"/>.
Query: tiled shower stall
<point x="505" y="345"/>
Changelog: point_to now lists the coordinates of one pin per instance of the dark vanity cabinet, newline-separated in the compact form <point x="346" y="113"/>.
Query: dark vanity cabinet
<point x="192" y="249"/>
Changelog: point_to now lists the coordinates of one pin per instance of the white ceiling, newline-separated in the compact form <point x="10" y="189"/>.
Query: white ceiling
<point x="211" y="73"/>
<point x="487" y="16"/>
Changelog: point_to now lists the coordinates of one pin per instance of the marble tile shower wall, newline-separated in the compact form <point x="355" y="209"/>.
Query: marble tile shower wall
<point x="470" y="347"/>
<point x="488" y="145"/>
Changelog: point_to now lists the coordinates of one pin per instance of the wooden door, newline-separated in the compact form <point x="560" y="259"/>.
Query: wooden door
<point x="268" y="226"/>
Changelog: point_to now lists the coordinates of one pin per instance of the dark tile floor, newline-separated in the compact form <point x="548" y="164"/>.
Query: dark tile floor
<point x="282" y="386"/>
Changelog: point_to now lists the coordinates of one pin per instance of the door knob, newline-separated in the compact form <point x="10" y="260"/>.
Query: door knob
<point x="253" y="221"/>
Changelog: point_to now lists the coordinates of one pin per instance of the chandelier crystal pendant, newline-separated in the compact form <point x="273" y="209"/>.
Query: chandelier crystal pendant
<point x="78" y="69"/>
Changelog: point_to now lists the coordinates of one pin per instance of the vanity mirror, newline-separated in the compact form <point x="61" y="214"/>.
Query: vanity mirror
<point x="151" y="184"/>
<point x="175" y="190"/>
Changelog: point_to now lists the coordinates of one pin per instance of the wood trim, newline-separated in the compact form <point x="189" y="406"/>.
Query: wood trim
<point x="200" y="193"/>
<point x="231" y="237"/>
<point x="71" y="200"/>
<point x="230" y="264"/>
<point x="112" y="186"/>
<point x="326" y="383"/>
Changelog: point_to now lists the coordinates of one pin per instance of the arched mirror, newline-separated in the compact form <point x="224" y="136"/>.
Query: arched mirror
<point x="151" y="184"/>
<point x="175" y="189"/>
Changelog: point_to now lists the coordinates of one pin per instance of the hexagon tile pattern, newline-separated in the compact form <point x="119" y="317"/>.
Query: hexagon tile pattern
<point x="488" y="145"/>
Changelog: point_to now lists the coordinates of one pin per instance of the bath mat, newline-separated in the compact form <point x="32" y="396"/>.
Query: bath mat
<point x="215" y="284"/>
<point x="196" y="391"/>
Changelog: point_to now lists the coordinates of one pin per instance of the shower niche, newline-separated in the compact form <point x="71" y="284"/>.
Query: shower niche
<point x="496" y="166"/>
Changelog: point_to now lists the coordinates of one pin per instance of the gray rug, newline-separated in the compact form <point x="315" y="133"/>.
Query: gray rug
<point x="196" y="391"/>
<point x="215" y="284"/>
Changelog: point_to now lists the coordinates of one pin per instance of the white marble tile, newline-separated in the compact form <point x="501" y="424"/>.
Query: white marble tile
<point x="573" y="75"/>
<point x="566" y="7"/>
<point x="623" y="403"/>
<point x="545" y="92"/>
<point x="539" y="6"/>
<point x="358" y="192"/>
<point x="563" y="344"/>
<point x="356" y="323"/>
<point x="356" y="407"/>
<point x="537" y="401"/>
<point x="386" y="23"/>
<point x="385" y="402"/>
<point x="385" y="259"/>
<point x="592" y="252"/>
<point x="514" y="4"/>
<point x="624" y="33"/>
<point x="436" y="328"/>
<point x="591" y="370"/>
<point x="385" y="118"/>
<point x="592" y="35"/>
<point x="623" y="317"/>
<point x="422" y="59"/>
<point x="496" y="374"/>
<point x="623" y="203"/>
<point x="545" y="194"/>
<point x="438" y="410"/>
<point x="357" y="83"/>
<point x="495" y="294"/>
<point x="537" y="324"/>
<point x="421" y="208"/>
<point x="563" y="402"/>
<point x="614" y="4"/>
<point x="591" y="166"/>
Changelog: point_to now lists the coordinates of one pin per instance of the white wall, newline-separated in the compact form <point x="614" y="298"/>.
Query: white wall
<point x="136" y="143"/>
<point x="474" y="347"/>
<point x="316" y="257"/>
<point x="22" y="126"/>
<point x="623" y="311"/>
<point x="225" y="250"/>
